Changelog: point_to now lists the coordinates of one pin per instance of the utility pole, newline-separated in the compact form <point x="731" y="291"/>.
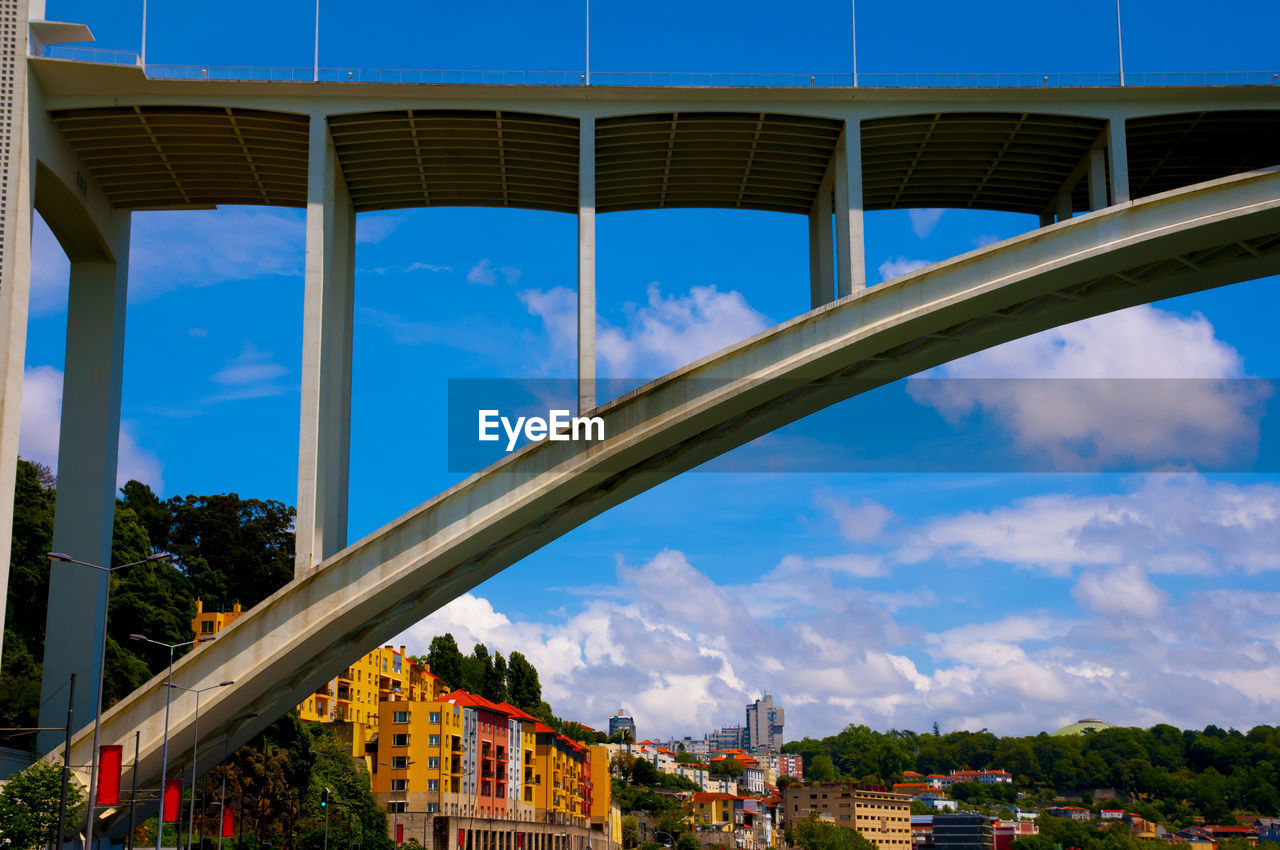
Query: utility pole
<point x="66" y="761"/>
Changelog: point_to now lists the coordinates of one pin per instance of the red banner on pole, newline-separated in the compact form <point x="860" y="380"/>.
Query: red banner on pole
<point x="462" y="838"/>
<point x="519" y="841"/>
<point x="228" y="822"/>
<point x="399" y="833"/>
<point x="172" y="803"/>
<point x="109" y="759"/>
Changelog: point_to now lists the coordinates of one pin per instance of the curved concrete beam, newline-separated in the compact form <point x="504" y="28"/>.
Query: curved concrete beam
<point x="1195" y="238"/>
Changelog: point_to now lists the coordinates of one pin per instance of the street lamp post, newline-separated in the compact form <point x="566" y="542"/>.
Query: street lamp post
<point x="102" y="673"/>
<point x="395" y="812"/>
<point x="195" y="742"/>
<point x="164" y="750"/>
<point x="222" y="800"/>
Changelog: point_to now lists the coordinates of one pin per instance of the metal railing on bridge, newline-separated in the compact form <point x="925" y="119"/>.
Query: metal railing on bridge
<point x="692" y="79"/>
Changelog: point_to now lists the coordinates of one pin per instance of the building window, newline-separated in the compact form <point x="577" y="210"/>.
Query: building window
<point x="433" y="763"/>
<point x="433" y="784"/>
<point x="206" y="628"/>
<point x="435" y="717"/>
<point x="399" y="762"/>
<point x="400" y="717"/>
<point x="399" y="806"/>
<point x="433" y="740"/>
<point x="399" y="785"/>
<point x="433" y="807"/>
<point x="400" y="739"/>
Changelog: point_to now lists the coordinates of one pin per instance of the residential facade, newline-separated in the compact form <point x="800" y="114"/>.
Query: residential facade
<point x="882" y="817"/>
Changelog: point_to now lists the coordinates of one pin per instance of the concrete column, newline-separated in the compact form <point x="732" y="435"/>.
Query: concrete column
<point x="88" y="443"/>
<point x="1064" y="205"/>
<point x="849" y="239"/>
<point x="1118" y="147"/>
<point x="587" y="265"/>
<point x="15" y="268"/>
<point x="1046" y="218"/>
<point x="324" y="436"/>
<point x="821" y="266"/>
<point x="1097" y="178"/>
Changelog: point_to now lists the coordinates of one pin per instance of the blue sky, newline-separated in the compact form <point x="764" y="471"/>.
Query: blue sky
<point x="1012" y="601"/>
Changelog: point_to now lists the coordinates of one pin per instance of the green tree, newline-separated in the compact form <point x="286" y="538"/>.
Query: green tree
<point x="687" y="841"/>
<point x="813" y="834"/>
<point x="29" y="806"/>
<point x="495" y="680"/>
<point x="446" y="659"/>
<point x="522" y="682"/>
<point x="630" y="831"/>
<point x="728" y="767"/>
<point x="821" y="769"/>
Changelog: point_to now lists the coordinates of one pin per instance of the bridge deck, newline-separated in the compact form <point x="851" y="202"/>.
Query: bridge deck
<point x="167" y="143"/>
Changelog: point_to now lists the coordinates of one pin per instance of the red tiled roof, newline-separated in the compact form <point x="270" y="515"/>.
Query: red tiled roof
<point x="515" y="712"/>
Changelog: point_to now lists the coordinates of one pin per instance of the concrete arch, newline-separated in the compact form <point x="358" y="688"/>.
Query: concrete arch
<point x="77" y="231"/>
<point x="1203" y="236"/>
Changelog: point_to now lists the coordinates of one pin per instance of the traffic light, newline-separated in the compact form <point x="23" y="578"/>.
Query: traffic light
<point x="324" y="798"/>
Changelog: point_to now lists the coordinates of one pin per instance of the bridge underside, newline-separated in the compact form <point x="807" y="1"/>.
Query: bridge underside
<point x="1195" y="238"/>
<point x="190" y="156"/>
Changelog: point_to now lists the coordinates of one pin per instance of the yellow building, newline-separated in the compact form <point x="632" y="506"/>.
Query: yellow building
<point x="712" y="812"/>
<point x="421" y="764"/>
<point x="562" y="788"/>
<point x="208" y="623"/>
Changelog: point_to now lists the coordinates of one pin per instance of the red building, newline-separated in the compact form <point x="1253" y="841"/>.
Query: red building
<point x="491" y="754"/>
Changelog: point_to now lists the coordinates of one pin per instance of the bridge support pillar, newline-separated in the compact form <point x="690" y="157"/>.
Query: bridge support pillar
<point x="849" y="236"/>
<point x="822" y="283"/>
<point x="1063" y="203"/>
<point x="324" y="438"/>
<point x="88" y="444"/>
<point x="1097" y="177"/>
<point x="1118" y="147"/>
<point x="15" y="266"/>
<point x="587" y="264"/>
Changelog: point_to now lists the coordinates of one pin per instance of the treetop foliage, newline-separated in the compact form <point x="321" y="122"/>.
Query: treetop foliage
<point x="1174" y="774"/>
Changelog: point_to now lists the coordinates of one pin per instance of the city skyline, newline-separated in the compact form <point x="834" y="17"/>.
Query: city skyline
<point x="999" y="600"/>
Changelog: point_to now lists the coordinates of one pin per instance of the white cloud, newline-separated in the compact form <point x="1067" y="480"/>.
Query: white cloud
<point x="671" y="331"/>
<point x="898" y="266"/>
<point x="374" y="227"/>
<point x="685" y="652"/>
<point x="482" y="274"/>
<point x="1178" y="523"/>
<point x="1106" y="390"/>
<point x="924" y="221"/>
<point x="864" y="521"/>
<point x="198" y="333"/>
<point x="250" y="374"/>
<point x="1122" y="592"/>
<point x="41" y="425"/>
<point x="195" y="248"/>
<point x="427" y="267"/>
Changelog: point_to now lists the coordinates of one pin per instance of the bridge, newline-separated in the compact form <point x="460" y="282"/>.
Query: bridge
<point x="1133" y="194"/>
